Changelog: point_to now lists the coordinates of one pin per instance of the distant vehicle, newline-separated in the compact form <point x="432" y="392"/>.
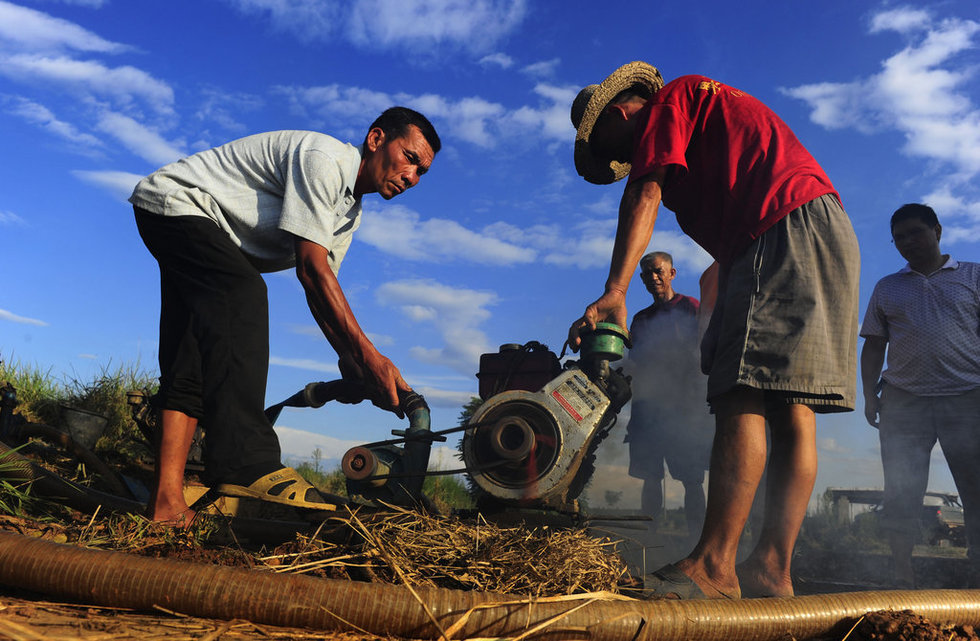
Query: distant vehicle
<point x="944" y="522"/>
<point x="941" y="519"/>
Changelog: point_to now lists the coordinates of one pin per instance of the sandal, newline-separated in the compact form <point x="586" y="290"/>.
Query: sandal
<point x="669" y="582"/>
<point x="283" y="486"/>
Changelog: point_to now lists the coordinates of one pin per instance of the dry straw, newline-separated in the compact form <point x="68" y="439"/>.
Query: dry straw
<point x="413" y="549"/>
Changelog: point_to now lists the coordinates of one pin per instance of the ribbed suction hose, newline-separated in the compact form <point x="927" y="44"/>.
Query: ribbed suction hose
<point x="123" y="580"/>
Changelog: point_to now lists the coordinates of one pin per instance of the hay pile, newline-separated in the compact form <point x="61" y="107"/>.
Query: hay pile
<point x="408" y="548"/>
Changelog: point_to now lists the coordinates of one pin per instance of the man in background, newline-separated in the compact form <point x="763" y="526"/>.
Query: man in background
<point x="669" y="421"/>
<point x="926" y="316"/>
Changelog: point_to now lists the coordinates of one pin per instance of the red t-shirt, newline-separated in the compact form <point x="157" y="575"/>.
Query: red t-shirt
<point x="733" y="167"/>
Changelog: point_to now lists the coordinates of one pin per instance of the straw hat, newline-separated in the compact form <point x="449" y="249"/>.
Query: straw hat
<point x="586" y="109"/>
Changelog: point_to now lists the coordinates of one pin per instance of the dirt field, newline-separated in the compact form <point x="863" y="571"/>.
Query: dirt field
<point x="25" y="619"/>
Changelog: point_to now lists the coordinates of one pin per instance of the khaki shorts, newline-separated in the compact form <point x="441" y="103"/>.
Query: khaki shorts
<point x="786" y="320"/>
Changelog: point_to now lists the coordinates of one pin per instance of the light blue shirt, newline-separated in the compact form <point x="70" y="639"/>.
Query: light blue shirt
<point x="264" y="190"/>
<point x="932" y="325"/>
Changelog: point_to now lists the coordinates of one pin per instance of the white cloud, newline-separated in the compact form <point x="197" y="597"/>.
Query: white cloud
<point x="14" y="318"/>
<point x="400" y="231"/>
<point x="421" y="26"/>
<point x="305" y="364"/>
<point x="501" y="60"/>
<point x="543" y="68"/>
<point x="224" y="108"/>
<point x="550" y="117"/>
<point x="921" y="91"/>
<point x="10" y="218"/>
<point x="41" y="116"/>
<point x="436" y="397"/>
<point x="476" y="25"/>
<point x="139" y="139"/>
<point x="39" y="50"/>
<point x="119" y="183"/>
<point x="589" y="244"/>
<point x="902" y="20"/>
<point x="334" y="102"/>
<point x="300" y="444"/>
<point x="120" y="84"/>
<point x="90" y="4"/>
<point x="36" y="31"/>
<point x="471" y="119"/>
<point x="310" y="20"/>
<point x="456" y="313"/>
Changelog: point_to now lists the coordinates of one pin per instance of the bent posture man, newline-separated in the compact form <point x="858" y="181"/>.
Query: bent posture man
<point x="215" y="221"/>
<point x="781" y="343"/>
<point x="669" y="420"/>
<point x="926" y="315"/>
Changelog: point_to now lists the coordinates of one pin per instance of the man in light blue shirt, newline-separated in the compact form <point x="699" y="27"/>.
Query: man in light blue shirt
<point x="927" y="317"/>
<point x="217" y="220"/>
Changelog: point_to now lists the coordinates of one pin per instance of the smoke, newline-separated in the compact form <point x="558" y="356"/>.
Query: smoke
<point x="668" y="410"/>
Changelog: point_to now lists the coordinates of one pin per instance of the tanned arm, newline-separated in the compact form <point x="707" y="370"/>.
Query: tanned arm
<point x="637" y="216"/>
<point x="872" y="360"/>
<point x="336" y="319"/>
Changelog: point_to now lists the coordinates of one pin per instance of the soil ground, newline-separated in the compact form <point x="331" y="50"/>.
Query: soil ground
<point x="26" y="617"/>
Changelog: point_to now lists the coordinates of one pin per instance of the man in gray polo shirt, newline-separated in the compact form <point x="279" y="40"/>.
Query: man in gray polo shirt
<point x="927" y="315"/>
<point x="217" y="220"/>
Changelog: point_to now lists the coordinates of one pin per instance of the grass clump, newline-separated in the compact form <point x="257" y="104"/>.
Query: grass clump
<point x="38" y="394"/>
<point x="41" y="398"/>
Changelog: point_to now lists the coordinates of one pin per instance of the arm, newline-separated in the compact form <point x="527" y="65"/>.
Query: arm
<point x="637" y="215"/>
<point x="872" y="360"/>
<point x="336" y="319"/>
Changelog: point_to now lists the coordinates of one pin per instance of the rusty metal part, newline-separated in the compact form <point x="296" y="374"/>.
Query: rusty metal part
<point x="536" y="442"/>
<point x="108" y="475"/>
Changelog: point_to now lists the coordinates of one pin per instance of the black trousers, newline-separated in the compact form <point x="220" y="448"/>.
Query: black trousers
<point x="214" y="340"/>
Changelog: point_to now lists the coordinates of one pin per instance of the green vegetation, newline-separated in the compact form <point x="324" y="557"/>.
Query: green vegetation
<point x="41" y="396"/>
<point x="823" y="530"/>
<point x="331" y="482"/>
<point x="447" y="492"/>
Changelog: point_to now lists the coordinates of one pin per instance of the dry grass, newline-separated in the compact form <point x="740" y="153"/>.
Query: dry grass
<point x="414" y="549"/>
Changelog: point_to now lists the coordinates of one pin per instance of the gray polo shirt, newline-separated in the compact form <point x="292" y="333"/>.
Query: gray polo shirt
<point x="263" y="190"/>
<point x="932" y="325"/>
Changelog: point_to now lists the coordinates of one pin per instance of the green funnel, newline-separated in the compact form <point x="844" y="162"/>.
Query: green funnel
<point x="605" y="342"/>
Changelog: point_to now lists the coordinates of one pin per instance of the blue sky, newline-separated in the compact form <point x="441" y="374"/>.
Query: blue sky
<point x="502" y="241"/>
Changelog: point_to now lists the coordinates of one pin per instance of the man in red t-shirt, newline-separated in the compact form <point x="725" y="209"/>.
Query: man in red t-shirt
<point x="782" y="340"/>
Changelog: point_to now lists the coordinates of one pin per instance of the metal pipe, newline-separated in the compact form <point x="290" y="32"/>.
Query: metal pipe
<point x="123" y="580"/>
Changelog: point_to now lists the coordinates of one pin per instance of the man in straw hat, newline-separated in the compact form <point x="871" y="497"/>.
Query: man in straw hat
<point x="782" y="341"/>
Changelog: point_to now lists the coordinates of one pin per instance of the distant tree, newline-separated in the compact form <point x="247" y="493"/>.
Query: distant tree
<point x="469" y="409"/>
<point x="317" y="456"/>
<point x="613" y="496"/>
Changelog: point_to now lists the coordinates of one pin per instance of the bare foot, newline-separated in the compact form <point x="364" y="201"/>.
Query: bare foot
<point x="713" y="588"/>
<point x="178" y="518"/>
<point x="757" y="582"/>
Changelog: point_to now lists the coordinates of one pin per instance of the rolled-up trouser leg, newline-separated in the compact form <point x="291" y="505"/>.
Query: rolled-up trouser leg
<point x="215" y="301"/>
